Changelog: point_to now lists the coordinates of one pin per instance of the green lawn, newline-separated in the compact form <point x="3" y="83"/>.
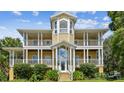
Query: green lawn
<point x="92" y="80"/>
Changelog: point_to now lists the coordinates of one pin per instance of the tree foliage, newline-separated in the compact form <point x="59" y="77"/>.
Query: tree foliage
<point x="117" y="18"/>
<point x="4" y="55"/>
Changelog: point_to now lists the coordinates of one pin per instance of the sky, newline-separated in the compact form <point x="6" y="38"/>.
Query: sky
<point x="12" y="20"/>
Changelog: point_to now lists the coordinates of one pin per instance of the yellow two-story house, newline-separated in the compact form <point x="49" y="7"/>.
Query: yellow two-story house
<point x="62" y="47"/>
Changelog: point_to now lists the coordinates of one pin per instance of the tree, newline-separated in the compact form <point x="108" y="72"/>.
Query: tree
<point x="7" y="42"/>
<point x="117" y="18"/>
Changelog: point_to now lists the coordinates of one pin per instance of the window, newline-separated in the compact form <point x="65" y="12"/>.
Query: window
<point x="34" y="59"/>
<point x="71" y="26"/>
<point x="63" y="26"/>
<point x="55" y="26"/>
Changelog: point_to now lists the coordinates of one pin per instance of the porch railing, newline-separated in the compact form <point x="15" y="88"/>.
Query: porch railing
<point x="48" y="62"/>
<point x="91" y="42"/>
<point x="41" y="43"/>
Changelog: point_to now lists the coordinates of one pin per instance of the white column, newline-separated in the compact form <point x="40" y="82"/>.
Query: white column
<point x="10" y="58"/>
<point x="56" y="58"/>
<point x="23" y="39"/>
<point x="101" y="39"/>
<point x="98" y="38"/>
<point x="38" y="55"/>
<point x="87" y="56"/>
<point x="87" y="39"/>
<point x="73" y="59"/>
<point x="38" y="38"/>
<point x="53" y="59"/>
<point x="23" y="56"/>
<point x="41" y="56"/>
<point x="68" y="26"/>
<point x="70" y="63"/>
<point x="84" y="56"/>
<point x="84" y="38"/>
<point x="99" y="56"/>
<point x="102" y="56"/>
<point x="26" y="39"/>
<point x="41" y="39"/>
<point x="26" y="56"/>
<point x="13" y="58"/>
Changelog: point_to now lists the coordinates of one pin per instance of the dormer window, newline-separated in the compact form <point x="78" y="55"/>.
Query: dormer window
<point x="63" y="26"/>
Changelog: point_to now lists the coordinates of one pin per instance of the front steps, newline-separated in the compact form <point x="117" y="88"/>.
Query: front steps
<point x="64" y="76"/>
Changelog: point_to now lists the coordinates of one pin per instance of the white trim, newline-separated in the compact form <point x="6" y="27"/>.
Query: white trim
<point x="84" y="38"/>
<point x="70" y="65"/>
<point x="26" y="39"/>
<point x="38" y="38"/>
<point x="87" y="38"/>
<point x="99" y="57"/>
<point x="102" y="56"/>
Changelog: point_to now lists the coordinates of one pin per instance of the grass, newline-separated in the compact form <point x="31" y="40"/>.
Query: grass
<point x="91" y="80"/>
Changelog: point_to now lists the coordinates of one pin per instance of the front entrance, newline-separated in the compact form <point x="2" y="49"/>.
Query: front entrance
<point x="63" y="57"/>
<point x="63" y="65"/>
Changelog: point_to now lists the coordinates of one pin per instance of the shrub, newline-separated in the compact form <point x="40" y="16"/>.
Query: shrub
<point x="35" y="78"/>
<point x="40" y="71"/>
<point x="3" y="77"/>
<point x="88" y="70"/>
<point x="22" y="71"/>
<point x="77" y="75"/>
<point x="52" y="75"/>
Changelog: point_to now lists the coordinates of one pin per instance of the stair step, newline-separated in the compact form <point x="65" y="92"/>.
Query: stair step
<point x="64" y="76"/>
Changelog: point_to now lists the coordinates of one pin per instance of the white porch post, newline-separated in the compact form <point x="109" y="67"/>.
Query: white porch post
<point x="99" y="56"/>
<point x="26" y="39"/>
<point x="73" y="59"/>
<point x="23" y="39"/>
<point x="13" y="54"/>
<point x="38" y="39"/>
<point x="102" y="56"/>
<point x="70" y="63"/>
<point x="53" y="59"/>
<point x="41" y="56"/>
<point x="26" y="56"/>
<point x="56" y="58"/>
<point x="99" y="38"/>
<point x="23" y="56"/>
<point x="87" y="39"/>
<point x="84" y="56"/>
<point x="87" y="56"/>
<point x="84" y="38"/>
<point x="41" y="39"/>
<point x="38" y="55"/>
<point x="10" y="58"/>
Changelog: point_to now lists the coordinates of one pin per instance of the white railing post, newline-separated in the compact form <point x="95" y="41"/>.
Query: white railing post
<point x="87" y="56"/>
<point x="70" y="59"/>
<point x="87" y="39"/>
<point x="26" y="39"/>
<point x="41" y="56"/>
<point x="102" y="56"/>
<point x="99" y="38"/>
<point x="13" y="58"/>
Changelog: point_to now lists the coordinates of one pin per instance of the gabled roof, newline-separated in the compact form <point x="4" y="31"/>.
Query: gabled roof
<point x="64" y="43"/>
<point x="60" y="13"/>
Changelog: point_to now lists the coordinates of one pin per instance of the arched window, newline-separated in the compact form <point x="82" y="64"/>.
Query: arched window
<point x="63" y="26"/>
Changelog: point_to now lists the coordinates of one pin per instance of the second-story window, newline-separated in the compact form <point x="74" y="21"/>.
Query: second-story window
<point x="55" y="27"/>
<point x="63" y="26"/>
<point x="71" y="26"/>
